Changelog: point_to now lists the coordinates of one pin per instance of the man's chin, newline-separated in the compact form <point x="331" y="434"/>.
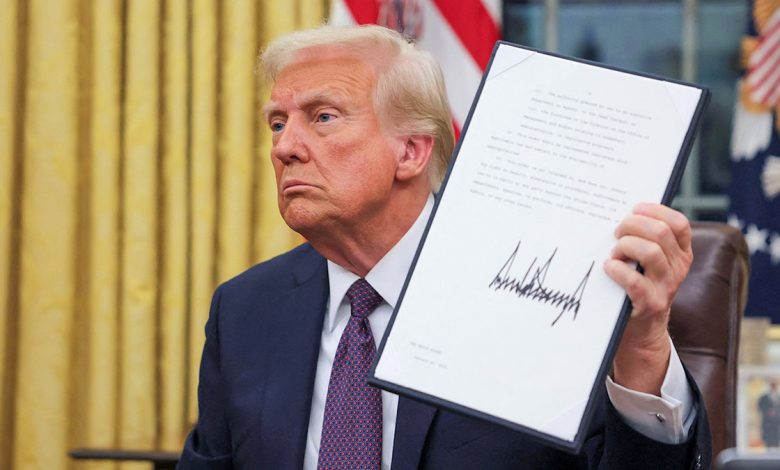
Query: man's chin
<point x="301" y="219"/>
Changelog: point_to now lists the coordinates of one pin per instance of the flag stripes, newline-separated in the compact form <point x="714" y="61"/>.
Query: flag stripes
<point x="459" y="33"/>
<point x="763" y="76"/>
<point x="473" y="26"/>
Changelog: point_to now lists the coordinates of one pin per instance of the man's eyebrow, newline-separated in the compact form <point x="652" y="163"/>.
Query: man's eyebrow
<point x="311" y="98"/>
<point x="270" y="108"/>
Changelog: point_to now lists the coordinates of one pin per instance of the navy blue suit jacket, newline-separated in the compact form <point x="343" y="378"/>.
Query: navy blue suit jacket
<point x="257" y="376"/>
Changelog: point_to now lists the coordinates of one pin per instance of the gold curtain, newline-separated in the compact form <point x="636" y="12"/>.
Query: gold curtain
<point x="134" y="177"/>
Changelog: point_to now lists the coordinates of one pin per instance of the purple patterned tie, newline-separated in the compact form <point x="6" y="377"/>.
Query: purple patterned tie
<point x="352" y="429"/>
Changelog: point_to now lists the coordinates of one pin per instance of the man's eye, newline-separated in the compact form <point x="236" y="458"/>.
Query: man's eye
<point x="277" y="126"/>
<point x="325" y="117"/>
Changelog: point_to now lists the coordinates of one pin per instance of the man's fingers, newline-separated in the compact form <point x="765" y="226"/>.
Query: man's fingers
<point x="659" y="239"/>
<point x="648" y="254"/>
<point x="676" y="221"/>
<point x="651" y="229"/>
<point x="637" y="287"/>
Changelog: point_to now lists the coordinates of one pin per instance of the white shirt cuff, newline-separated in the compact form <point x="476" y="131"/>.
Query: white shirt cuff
<point x="667" y="418"/>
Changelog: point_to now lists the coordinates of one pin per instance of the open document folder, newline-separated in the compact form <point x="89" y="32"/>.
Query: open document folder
<point x="507" y="313"/>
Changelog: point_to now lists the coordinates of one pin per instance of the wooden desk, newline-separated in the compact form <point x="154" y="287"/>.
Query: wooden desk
<point x="160" y="460"/>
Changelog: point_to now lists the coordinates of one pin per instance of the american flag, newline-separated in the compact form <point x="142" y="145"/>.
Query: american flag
<point x="459" y="33"/>
<point x="755" y="152"/>
<point x="763" y="77"/>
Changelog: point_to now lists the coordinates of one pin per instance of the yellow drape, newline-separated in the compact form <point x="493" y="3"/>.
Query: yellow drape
<point x="8" y="214"/>
<point x="100" y="372"/>
<point x="47" y="245"/>
<point x="134" y="177"/>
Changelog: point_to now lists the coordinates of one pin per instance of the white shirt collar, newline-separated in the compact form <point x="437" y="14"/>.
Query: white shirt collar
<point x="387" y="276"/>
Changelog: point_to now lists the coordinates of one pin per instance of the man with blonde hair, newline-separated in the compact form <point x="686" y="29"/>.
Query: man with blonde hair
<point x="361" y="139"/>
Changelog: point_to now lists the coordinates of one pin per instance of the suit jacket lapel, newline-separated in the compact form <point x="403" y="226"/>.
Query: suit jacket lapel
<point x="289" y="355"/>
<point x="294" y="346"/>
<point x="411" y="429"/>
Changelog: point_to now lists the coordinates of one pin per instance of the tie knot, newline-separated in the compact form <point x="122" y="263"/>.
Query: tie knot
<point x="363" y="298"/>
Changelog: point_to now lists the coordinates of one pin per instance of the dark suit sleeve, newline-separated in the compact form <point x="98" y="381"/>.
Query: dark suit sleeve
<point x="621" y="446"/>
<point x="208" y="445"/>
<point x="462" y="442"/>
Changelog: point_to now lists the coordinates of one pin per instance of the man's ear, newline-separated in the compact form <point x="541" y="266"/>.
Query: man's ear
<point x="415" y="157"/>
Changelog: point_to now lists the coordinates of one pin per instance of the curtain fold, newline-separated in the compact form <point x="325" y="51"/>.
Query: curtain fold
<point x="140" y="226"/>
<point x="100" y="369"/>
<point x="9" y="92"/>
<point x="237" y="125"/>
<point x="203" y="178"/>
<point x="48" y="195"/>
<point x="172" y="320"/>
<point x="134" y="177"/>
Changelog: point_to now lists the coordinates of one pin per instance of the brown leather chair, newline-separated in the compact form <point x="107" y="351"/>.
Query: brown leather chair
<point x="705" y="322"/>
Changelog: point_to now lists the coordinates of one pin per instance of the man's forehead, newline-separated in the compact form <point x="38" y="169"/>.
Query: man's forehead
<point x="315" y="71"/>
<point x="326" y="66"/>
<point x="330" y="78"/>
<point x="376" y="59"/>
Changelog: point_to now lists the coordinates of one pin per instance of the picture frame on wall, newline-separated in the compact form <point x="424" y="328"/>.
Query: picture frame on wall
<point x="758" y="408"/>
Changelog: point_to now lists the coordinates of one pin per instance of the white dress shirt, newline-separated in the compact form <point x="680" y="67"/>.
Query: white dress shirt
<point x="667" y="418"/>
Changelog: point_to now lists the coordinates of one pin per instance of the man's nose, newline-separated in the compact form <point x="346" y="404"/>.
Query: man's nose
<point x="290" y="143"/>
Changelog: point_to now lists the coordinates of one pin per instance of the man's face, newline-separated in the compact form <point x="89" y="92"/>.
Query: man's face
<point x="334" y="166"/>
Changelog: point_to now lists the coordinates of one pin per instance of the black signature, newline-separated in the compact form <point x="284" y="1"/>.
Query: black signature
<point x="532" y="285"/>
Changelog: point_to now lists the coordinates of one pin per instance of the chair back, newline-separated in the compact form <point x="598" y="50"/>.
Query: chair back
<point x="704" y="322"/>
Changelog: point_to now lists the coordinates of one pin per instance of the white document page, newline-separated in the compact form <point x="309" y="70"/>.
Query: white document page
<point x="509" y="311"/>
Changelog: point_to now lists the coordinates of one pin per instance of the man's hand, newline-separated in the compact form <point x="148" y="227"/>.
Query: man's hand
<point x="659" y="239"/>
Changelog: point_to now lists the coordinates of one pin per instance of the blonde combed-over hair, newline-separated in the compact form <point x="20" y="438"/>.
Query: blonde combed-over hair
<point x="410" y="94"/>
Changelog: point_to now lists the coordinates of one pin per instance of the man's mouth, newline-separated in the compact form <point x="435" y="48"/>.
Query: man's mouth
<point x="295" y="185"/>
